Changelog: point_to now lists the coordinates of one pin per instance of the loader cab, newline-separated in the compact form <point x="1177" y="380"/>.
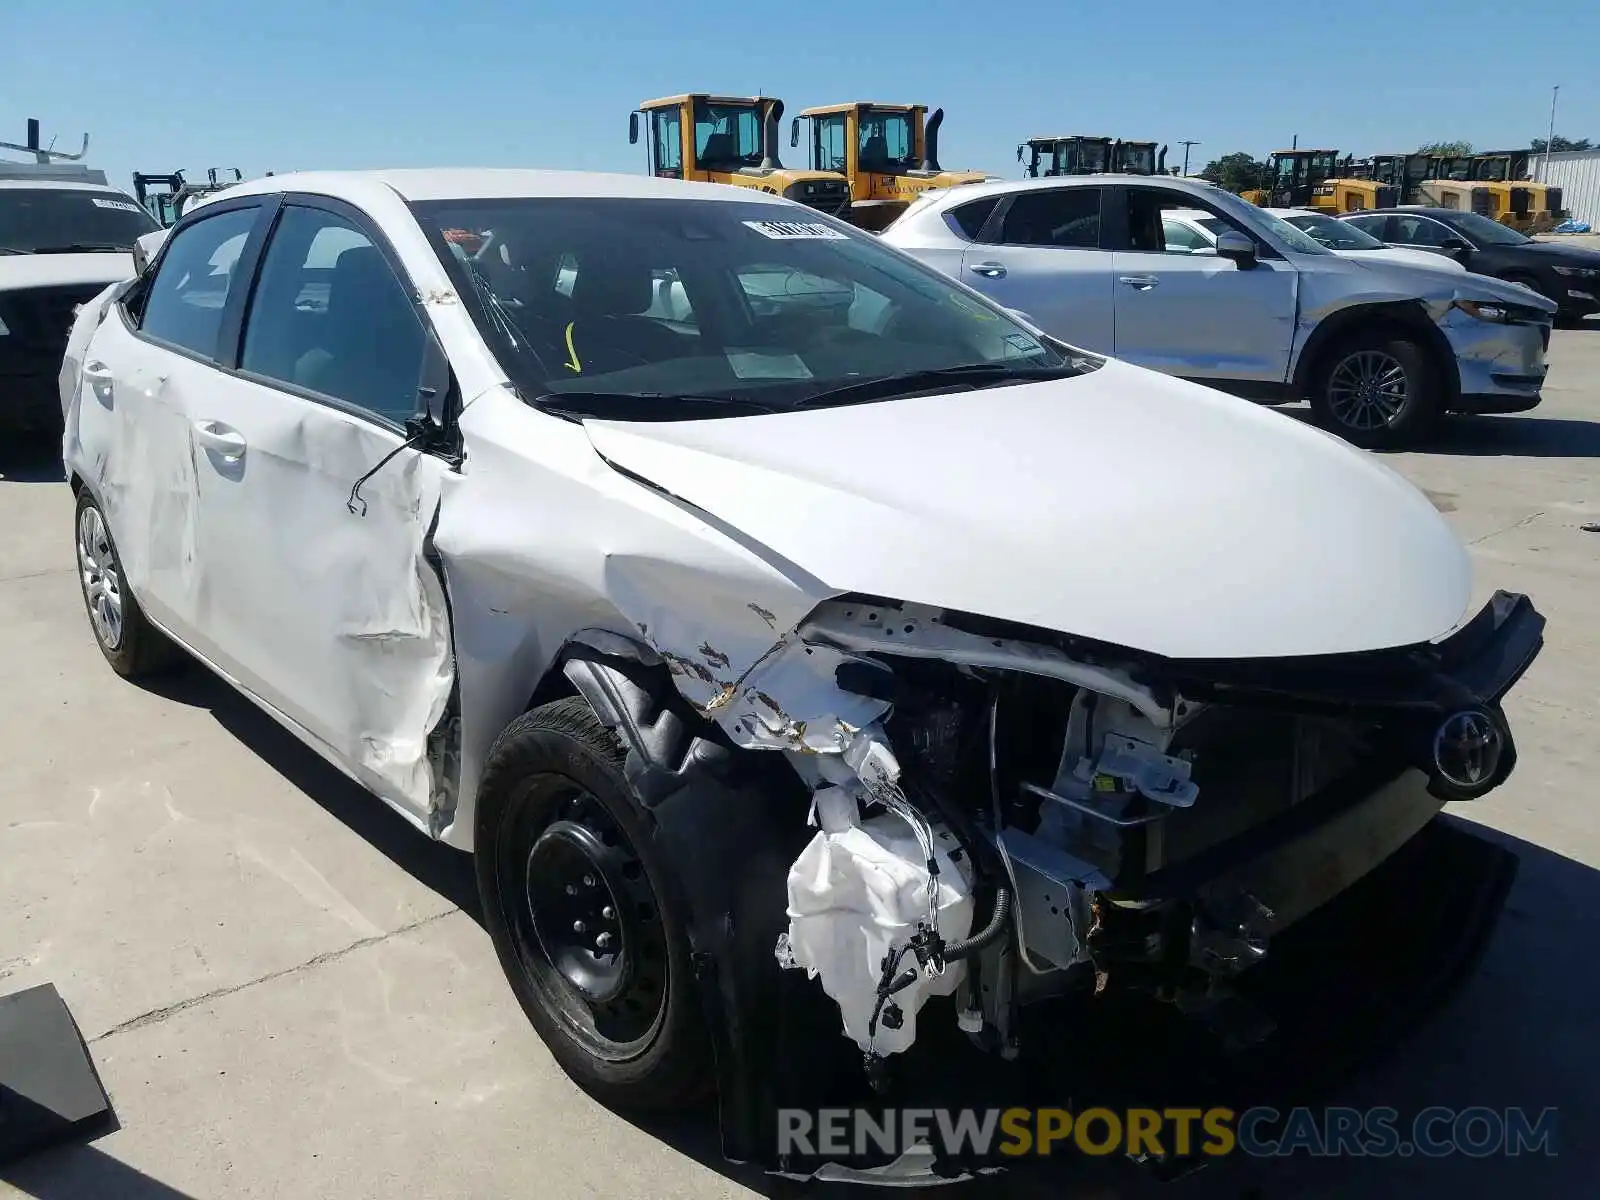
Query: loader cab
<point x="1070" y="154"/>
<point x="1138" y="158"/>
<point x="732" y="140"/>
<point x="1296" y="174"/>
<point x="889" y="154"/>
<point x="166" y="197"/>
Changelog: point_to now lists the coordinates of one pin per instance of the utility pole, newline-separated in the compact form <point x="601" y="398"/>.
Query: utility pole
<point x="1551" y="135"/>
<point x="1186" y="145"/>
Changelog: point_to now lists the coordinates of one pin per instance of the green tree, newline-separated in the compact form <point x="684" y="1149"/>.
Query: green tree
<point x="1559" y="143"/>
<point x="1446" y="149"/>
<point x="1238" y="172"/>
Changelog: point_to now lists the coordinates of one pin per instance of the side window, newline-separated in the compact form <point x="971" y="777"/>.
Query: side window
<point x="330" y="315"/>
<point x="184" y="304"/>
<point x="1180" y="238"/>
<point x="1152" y="227"/>
<point x="668" y="133"/>
<point x="1062" y="217"/>
<point x="969" y="218"/>
<point x="1420" y="231"/>
<point x="1373" y="225"/>
<point x="828" y="133"/>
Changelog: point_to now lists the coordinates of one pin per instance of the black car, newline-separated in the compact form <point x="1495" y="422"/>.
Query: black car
<point x="1568" y="275"/>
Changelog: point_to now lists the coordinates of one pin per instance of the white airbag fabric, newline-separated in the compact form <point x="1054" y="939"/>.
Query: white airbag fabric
<point x="857" y="892"/>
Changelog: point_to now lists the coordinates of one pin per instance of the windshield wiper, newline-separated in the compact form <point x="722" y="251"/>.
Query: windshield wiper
<point x="638" y="406"/>
<point x="82" y="248"/>
<point x="883" y="387"/>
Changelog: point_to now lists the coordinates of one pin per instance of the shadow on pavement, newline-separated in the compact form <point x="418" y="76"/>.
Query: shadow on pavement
<point x="445" y="870"/>
<point x="31" y="458"/>
<point x="79" y="1171"/>
<point x="1519" y="1032"/>
<point x="1522" y="435"/>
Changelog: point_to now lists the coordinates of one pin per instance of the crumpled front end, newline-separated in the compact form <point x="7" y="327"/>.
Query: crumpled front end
<point x="1007" y="815"/>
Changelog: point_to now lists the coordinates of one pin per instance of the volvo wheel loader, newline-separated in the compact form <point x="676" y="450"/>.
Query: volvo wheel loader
<point x="889" y="153"/>
<point x="1077" y="154"/>
<point x="731" y="140"/>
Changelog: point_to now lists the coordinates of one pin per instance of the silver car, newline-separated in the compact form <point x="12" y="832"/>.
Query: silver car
<point x="1380" y="349"/>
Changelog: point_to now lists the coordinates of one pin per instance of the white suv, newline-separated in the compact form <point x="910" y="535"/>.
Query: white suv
<point x="1379" y="348"/>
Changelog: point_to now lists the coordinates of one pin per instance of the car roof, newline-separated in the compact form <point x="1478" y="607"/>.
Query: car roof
<point x="1002" y="187"/>
<point x="491" y="183"/>
<point x="63" y="185"/>
<point x="1421" y="209"/>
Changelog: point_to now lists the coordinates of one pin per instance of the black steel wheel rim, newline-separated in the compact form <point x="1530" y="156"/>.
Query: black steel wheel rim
<point x="585" y="920"/>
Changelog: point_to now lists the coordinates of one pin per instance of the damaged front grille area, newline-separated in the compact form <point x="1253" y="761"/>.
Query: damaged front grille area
<point x="1094" y="824"/>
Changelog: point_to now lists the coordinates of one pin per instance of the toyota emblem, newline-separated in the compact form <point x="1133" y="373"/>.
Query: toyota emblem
<point x="1467" y="749"/>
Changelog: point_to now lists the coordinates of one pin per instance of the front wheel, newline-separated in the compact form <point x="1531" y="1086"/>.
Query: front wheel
<point x="1377" y="390"/>
<point x="578" y="901"/>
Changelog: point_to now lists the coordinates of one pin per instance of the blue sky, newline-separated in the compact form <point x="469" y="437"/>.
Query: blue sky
<point x="301" y="84"/>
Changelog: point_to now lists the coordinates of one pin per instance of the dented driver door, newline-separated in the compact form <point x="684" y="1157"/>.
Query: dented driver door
<point x="316" y="513"/>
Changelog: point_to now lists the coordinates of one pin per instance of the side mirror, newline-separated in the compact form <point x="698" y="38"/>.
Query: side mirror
<point x="145" y="248"/>
<point x="1236" y="246"/>
<point x="433" y="387"/>
<point x="1454" y="245"/>
<point x="794" y="133"/>
<point x="633" y="129"/>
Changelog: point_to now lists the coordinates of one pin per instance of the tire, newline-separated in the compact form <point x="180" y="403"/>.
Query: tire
<point x="1401" y="402"/>
<point x="561" y="843"/>
<point x="134" y="647"/>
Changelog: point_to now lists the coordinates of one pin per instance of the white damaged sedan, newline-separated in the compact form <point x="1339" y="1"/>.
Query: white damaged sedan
<point x="784" y="627"/>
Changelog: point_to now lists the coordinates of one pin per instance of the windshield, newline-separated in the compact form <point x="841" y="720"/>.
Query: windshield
<point x="619" y="307"/>
<point x="1139" y="160"/>
<point x="1080" y="157"/>
<point x="1262" y="221"/>
<point x="34" y="220"/>
<point x="1485" y="231"/>
<point x="1332" y="233"/>
<point x="726" y="136"/>
<point x="887" y="144"/>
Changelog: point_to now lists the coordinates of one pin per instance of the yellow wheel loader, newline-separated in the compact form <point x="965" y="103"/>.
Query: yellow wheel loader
<point x="731" y="140"/>
<point x="1319" y="180"/>
<point x="1079" y="154"/>
<point x="1518" y="202"/>
<point x="888" y="152"/>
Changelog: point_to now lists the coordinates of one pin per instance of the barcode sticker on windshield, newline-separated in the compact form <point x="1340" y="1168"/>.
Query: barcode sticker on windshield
<point x="786" y="231"/>
<point x="119" y="205"/>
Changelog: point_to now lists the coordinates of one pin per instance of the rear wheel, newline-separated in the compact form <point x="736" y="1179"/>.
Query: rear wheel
<point x="132" y="645"/>
<point x="1376" y="389"/>
<point x="578" y="901"/>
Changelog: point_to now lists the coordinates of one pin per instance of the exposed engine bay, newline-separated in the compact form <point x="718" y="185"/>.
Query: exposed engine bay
<point x="1066" y="823"/>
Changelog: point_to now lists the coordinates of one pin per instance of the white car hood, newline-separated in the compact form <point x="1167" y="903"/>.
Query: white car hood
<point x="21" y="271"/>
<point x="1409" y="258"/>
<point x="1122" y="506"/>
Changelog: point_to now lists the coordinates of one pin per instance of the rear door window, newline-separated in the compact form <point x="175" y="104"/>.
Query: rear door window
<point x="196" y="277"/>
<point x="1067" y="218"/>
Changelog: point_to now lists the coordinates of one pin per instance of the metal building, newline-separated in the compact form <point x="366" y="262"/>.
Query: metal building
<point x="1577" y="174"/>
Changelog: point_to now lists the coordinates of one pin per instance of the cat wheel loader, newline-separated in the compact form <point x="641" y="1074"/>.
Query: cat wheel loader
<point x="731" y="140"/>
<point x="1076" y="154"/>
<point x="1321" y="181"/>
<point x="889" y="153"/>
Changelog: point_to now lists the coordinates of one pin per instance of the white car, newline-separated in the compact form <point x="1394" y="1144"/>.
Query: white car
<point x="839" y="638"/>
<point x="1380" y="348"/>
<point x="1196" y="230"/>
<point x="62" y="242"/>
